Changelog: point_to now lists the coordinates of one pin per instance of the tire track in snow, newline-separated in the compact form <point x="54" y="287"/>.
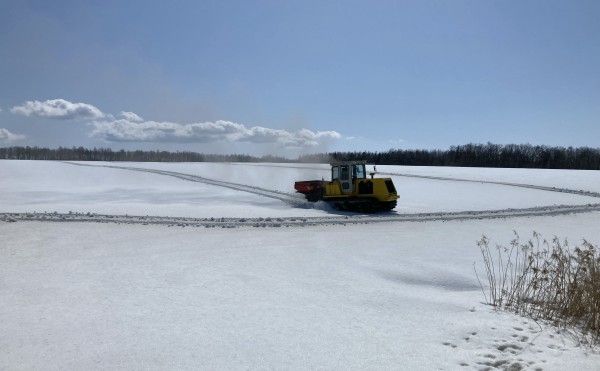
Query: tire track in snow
<point x="521" y="185"/>
<point x="340" y="217"/>
<point x="301" y="221"/>
<point x="290" y="198"/>
<point x="431" y="177"/>
<point x="296" y="200"/>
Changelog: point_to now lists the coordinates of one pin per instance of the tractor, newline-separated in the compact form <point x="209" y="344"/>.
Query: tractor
<point x="351" y="190"/>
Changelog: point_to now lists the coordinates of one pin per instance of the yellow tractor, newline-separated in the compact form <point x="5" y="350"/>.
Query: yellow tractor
<point x="351" y="190"/>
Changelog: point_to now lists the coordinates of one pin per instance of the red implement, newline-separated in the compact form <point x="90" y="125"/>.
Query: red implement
<point x="308" y="186"/>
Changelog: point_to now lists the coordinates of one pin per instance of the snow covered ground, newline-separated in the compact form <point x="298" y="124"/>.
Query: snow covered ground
<point x="402" y="296"/>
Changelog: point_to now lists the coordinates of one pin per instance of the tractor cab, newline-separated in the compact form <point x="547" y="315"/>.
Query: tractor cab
<point x="347" y="174"/>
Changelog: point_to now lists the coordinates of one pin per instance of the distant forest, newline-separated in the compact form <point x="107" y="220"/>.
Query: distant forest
<point x="468" y="155"/>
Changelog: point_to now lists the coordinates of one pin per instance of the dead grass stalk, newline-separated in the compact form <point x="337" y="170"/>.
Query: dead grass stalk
<point x="546" y="280"/>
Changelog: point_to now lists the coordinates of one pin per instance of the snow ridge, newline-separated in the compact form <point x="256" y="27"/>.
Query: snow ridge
<point x="302" y="221"/>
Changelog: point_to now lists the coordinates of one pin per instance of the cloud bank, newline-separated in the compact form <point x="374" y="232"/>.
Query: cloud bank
<point x="129" y="127"/>
<point x="132" y="128"/>
<point x="7" y="136"/>
<point x="58" y="109"/>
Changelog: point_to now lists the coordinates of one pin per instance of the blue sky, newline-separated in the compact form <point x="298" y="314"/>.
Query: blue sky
<point x="291" y="77"/>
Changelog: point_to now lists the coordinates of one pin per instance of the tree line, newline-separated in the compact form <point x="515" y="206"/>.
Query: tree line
<point x="107" y="154"/>
<point x="476" y="155"/>
<point x="468" y="155"/>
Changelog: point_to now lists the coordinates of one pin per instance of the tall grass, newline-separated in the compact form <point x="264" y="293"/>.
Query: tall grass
<point x="546" y="280"/>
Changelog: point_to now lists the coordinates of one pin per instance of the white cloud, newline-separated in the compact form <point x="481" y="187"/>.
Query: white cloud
<point x="354" y="138"/>
<point x="7" y="136"/>
<point x="397" y="142"/>
<point x="131" y="128"/>
<point x="59" y="109"/>
<point x="132" y="117"/>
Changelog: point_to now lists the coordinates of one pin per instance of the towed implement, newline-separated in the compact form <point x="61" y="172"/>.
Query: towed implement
<point x="351" y="190"/>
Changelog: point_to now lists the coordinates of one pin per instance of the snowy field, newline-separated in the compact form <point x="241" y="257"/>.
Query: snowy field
<point x="393" y="295"/>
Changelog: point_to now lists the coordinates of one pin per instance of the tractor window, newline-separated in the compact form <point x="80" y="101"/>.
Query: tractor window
<point x="345" y="170"/>
<point x="358" y="171"/>
<point x="335" y="173"/>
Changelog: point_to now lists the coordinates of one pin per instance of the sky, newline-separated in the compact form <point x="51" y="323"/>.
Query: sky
<point x="293" y="77"/>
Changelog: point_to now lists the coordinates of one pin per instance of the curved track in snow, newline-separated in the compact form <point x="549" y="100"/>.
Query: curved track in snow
<point x="521" y="185"/>
<point x="300" y="221"/>
<point x="290" y="198"/>
<point x="430" y="177"/>
<point x="297" y="200"/>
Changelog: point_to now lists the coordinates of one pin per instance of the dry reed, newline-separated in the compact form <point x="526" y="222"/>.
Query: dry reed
<point x="546" y="280"/>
